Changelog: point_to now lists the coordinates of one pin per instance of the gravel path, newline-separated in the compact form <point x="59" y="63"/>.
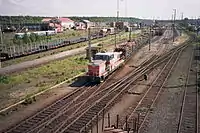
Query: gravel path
<point x="165" y="115"/>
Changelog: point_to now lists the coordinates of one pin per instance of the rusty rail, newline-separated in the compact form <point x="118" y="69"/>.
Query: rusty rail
<point x="188" y="119"/>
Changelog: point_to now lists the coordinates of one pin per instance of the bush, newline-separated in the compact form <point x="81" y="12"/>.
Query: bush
<point x="4" y="80"/>
<point x="16" y="41"/>
<point x="26" y="39"/>
<point x="28" y="100"/>
<point x="33" y="37"/>
<point x="73" y="34"/>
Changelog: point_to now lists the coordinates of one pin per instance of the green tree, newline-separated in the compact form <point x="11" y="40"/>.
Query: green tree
<point x="33" y="37"/>
<point x="16" y="40"/>
<point x="191" y="28"/>
<point x="38" y="38"/>
<point x="26" y="39"/>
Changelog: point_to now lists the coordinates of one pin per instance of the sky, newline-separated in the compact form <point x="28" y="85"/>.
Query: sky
<point x="144" y="9"/>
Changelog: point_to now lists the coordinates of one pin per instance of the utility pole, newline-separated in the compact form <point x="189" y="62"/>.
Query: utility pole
<point x="174" y="22"/>
<point x="1" y="35"/>
<point x="174" y="16"/>
<point x="182" y="16"/>
<point x="130" y="34"/>
<point x="116" y="27"/>
<point x="150" y="38"/>
<point x="115" y="36"/>
<point x="89" y="44"/>
<point x="196" y="25"/>
<point x="10" y="20"/>
<point x="1" y="46"/>
<point x="182" y="22"/>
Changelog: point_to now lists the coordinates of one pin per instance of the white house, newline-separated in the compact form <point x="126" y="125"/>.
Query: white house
<point x="88" y="23"/>
<point x="67" y="23"/>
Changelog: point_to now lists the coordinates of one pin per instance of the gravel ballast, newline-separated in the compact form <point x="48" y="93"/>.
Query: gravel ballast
<point x="165" y="115"/>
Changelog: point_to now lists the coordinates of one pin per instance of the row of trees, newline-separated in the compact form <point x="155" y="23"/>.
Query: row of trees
<point x="105" y="19"/>
<point x="189" y="27"/>
<point x="38" y="19"/>
<point x="19" y="19"/>
<point x="32" y="38"/>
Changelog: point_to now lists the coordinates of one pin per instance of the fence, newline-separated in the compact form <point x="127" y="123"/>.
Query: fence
<point x="102" y="122"/>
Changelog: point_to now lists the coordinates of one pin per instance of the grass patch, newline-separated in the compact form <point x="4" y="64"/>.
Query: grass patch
<point x="25" y="84"/>
<point x="41" y="78"/>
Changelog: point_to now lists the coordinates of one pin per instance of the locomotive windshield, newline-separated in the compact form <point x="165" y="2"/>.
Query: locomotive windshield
<point x="103" y="57"/>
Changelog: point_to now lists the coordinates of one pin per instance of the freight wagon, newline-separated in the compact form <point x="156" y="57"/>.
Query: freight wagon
<point x="13" y="53"/>
<point x="39" y="33"/>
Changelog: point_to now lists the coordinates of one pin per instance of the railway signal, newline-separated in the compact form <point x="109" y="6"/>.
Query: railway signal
<point x="117" y="20"/>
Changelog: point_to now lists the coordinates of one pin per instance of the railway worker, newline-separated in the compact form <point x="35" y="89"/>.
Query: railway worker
<point x="145" y="77"/>
<point x="113" y="126"/>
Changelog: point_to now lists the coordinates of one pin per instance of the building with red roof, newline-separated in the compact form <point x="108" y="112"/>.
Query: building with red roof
<point x="66" y="23"/>
<point x="59" y="23"/>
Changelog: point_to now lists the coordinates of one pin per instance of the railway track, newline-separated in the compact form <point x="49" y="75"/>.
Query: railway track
<point x="42" y="119"/>
<point x="59" y="123"/>
<point x="197" y="87"/>
<point x="55" y="113"/>
<point x="188" y="120"/>
<point x="54" y="117"/>
<point x="148" y="99"/>
<point x="47" y="113"/>
<point x="82" y="107"/>
<point x="106" y="101"/>
<point x="83" y="103"/>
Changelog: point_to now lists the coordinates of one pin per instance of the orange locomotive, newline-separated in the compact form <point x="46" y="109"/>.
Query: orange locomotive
<point x="103" y="64"/>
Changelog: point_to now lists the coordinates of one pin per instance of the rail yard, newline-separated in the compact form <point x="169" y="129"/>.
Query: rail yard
<point x="73" y="74"/>
<point x="129" y="98"/>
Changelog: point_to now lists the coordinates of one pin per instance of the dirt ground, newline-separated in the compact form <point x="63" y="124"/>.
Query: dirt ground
<point x="53" y="95"/>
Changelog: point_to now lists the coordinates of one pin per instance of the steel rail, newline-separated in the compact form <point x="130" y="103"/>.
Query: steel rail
<point x="149" y="90"/>
<point x="160" y="90"/>
<point x="185" y="100"/>
<point x="45" y="113"/>
<point x="130" y="81"/>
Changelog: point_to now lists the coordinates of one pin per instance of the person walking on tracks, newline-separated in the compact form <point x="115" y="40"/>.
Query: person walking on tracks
<point x="145" y="77"/>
